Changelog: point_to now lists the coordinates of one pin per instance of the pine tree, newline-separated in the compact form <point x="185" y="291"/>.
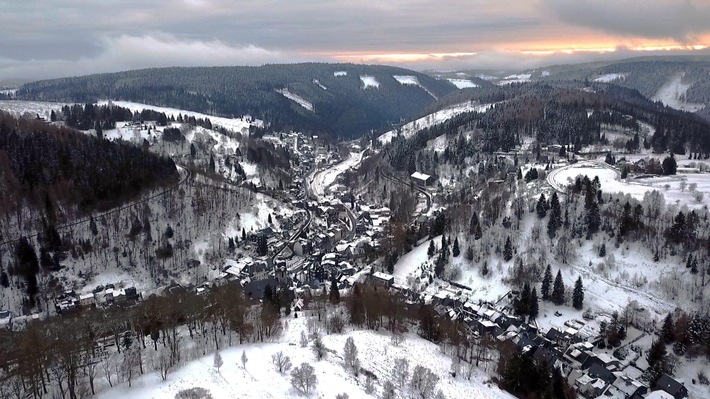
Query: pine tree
<point x="213" y="167"/>
<point x="475" y="227"/>
<point x="193" y="150"/>
<point x="469" y="254"/>
<point x="558" y="290"/>
<point x="334" y="294"/>
<point x="541" y="207"/>
<point x="668" y="329"/>
<point x="456" y="251"/>
<point x="656" y="359"/>
<point x="432" y="249"/>
<point x="578" y="294"/>
<point x="269" y="220"/>
<point x="602" y="250"/>
<point x="546" y="284"/>
<point x="523" y="304"/>
<point x="484" y="270"/>
<point x="508" y="250"/>
<point x="534" y="304"/>
<point x="555" y="221"/>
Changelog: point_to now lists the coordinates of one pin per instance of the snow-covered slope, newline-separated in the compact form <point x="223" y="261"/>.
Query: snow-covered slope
<point x="19" y="108"/>
<point x="369" y="81"/>
<point x="234" y="124"/>
<point x="462" y="83"/>
<point x="672" y="94"/>
<point x="298" y="99"/>
<point x="260" y="379"/>
<point x="610" y="77"/>
<point x="411" y="128"/>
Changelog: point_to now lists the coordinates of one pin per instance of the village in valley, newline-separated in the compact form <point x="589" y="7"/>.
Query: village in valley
<point x="330" y="235"/>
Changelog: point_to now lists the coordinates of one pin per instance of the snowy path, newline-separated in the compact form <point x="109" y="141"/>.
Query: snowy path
<point x="319" y="181"/>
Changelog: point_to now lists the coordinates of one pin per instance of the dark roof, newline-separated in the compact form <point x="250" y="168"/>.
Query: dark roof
<point x="601" y="372"/>
<point x="670" y="385"/>
<point x="554" y="334"/>
<point x="546" y="356"/>
<point x="590" y="361"/>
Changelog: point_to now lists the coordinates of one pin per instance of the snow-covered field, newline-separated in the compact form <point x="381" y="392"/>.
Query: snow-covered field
<point x="411" y="128"/>
<point x="609" y="177"/>
<point x="260" y="379"/>
<point x="298" y="99"/>
<point x="672" y="94"/>
<point x="516" y="78"/>
<point x="462" y="83"/>
<point x="610" y="77"/>
<point x="8" y="91"/>
<point x="234" y="124"/>
<point x="340" y="73"/>
<point x="321" y="180"/>
<point x="18" y="108"/>
<point x="369" y="81"/>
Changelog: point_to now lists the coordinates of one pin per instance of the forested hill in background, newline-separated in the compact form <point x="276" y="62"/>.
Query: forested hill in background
<point x="676" y="79"/>
<point x="570" y="114"/>
<point x="60" y="170"/>
<point x="347" y="100"/>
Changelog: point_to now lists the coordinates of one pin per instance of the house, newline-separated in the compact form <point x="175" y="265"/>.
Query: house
<point x="671" y="386"/>
<point x="87" y="300"/>
<point x="421" y="179"/>
<point x="382" y="279"/>
<point x="625" y="387"/>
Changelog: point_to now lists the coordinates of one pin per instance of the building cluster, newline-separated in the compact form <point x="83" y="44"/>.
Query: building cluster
<point x="573" y="350"/>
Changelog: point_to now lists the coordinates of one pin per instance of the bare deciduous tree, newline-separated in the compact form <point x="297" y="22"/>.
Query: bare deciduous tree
<point x="281" y="361"/>
<point x="304" y="378"/>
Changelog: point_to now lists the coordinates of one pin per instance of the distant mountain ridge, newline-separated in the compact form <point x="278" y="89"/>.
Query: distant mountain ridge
<point x="343" y="100"/>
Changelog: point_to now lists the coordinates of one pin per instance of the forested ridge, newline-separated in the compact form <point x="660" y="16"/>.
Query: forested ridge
<point x="42" y="165"/>
<point x="565" y="113"/>
<point x="342" y="106"/>
<point x="647" y="75"/>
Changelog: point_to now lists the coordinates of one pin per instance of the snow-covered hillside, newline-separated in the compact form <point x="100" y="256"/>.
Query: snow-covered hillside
<point x="674" y="188"/>
<point x="672" y="94"/>
<point x="369" y="81"/>
<point x="19" y="108"/>
<point x="260" y="379"/>
<point x="411" y="128"/>
<point x="610" y="77"/>
<point x="462" y="83"/>
<point x="234" y="124"/>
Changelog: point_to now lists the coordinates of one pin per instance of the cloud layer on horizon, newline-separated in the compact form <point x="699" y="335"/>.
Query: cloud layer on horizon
<point x="74" y="37"/>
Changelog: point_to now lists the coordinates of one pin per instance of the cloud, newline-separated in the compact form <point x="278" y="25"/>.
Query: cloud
<point x="680" y="20"/>
<point x="152" y="50"/>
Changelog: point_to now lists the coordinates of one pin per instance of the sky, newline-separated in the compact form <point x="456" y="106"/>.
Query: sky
<point x="55" y="38"/>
